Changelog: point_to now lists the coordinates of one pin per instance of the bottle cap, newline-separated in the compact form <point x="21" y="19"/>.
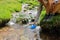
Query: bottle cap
<point x="33" y="26"/>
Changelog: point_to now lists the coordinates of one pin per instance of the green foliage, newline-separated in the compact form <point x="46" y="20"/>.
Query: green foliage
<point x="52" y="22"/>
<point x="4" y="14"/>
<point x="32" y="3"/>
<point x="11" y="5"/>
<point x="7" y="7"/>
<point x="42" y="15"/>
<point x="55" y="19"/>
<point x="53" y="25"/>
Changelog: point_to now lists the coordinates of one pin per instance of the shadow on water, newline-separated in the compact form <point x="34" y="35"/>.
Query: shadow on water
<point x="47" y="36"/>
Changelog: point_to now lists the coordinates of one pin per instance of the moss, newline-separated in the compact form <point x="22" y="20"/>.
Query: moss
<point x="53" y="25"/>
<point x="6" y="9"/>
<point x="5" y="15"/>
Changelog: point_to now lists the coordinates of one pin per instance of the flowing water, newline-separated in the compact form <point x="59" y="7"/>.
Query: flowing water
<point x="16" y="31"/>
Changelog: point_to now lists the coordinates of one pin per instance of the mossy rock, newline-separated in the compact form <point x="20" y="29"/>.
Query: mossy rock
<point x="51" y="26"/>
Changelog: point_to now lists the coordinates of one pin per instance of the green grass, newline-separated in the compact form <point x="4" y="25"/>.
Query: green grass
<point x="11" y="5"/>
<point x="42" y="15"/>
<point x="7" y="7"/>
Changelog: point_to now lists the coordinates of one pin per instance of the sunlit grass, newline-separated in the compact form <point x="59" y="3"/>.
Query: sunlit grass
<point x="7" y="7"/>
<point x="42" y="15"/>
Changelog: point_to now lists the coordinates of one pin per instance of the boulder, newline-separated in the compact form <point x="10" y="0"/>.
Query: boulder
<point x="52" y="25"/>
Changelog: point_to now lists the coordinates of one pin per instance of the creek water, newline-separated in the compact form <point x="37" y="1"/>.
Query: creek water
<point x="14" y="31"/>
<point x="16" y="34"/>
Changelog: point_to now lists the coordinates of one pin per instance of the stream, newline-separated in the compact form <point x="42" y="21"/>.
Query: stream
<point x="15" y="31"/>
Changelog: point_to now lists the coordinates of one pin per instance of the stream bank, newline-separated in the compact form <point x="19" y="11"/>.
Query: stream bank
<point x="51" y="26"/>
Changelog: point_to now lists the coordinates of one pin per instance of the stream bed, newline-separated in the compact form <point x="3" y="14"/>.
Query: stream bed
<point x="9" y="33"/>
